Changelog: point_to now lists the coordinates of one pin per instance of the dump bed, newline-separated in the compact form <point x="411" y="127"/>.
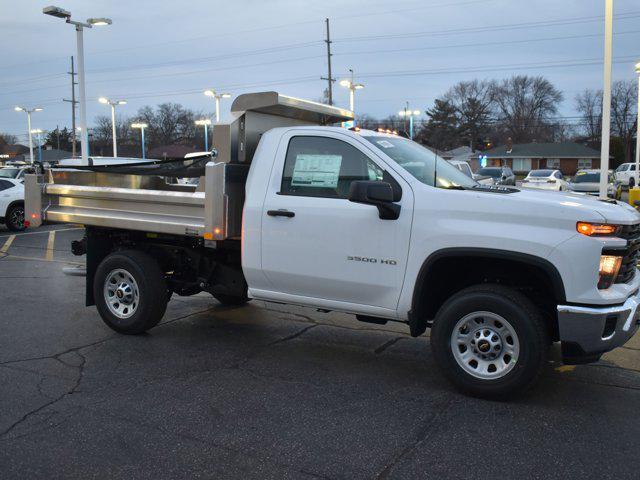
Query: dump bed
<point x="148" y="203"/>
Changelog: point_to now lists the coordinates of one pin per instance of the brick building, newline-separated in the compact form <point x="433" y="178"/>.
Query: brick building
<point x="568" y="157"/>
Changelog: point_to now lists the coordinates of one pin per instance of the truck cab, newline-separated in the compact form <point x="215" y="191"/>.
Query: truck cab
<point x="292" y="210"/>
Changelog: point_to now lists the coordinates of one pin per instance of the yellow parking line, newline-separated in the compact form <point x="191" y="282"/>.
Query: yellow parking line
<point x="7" y="244"/>
<point x="50" y="242"/>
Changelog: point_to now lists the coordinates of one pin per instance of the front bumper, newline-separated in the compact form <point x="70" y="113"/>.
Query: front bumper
<point x="588" y="332"/>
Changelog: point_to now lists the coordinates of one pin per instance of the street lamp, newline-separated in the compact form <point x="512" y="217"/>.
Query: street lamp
<point x="29" y="112"/>
<point x="141" y="126"/>
<point x="217" y="96"/>
<point x="61" y="13"/>
<point x="352" y="90"/>
<point x="113" y="103"/>
<point x="407" y="113"/>
<point x="205" y="122"/>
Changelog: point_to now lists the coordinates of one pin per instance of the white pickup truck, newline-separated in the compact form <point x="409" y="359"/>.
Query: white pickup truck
<point x="294" y="211"/>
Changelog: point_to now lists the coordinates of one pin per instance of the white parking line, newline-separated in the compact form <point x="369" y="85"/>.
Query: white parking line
<point x="43" y="231"/>
<point x="7" y="244"/>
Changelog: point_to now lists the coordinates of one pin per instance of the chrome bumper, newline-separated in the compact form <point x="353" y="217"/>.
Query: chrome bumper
<point x="588" y="332"/>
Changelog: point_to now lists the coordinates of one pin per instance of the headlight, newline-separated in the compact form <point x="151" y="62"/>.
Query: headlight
<point x="609" y="268"/>
<point x="597" y="229"/>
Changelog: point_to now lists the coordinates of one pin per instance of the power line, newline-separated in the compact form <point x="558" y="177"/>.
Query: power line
<point x="490" y="68"/>
<point x="476" y="44"/>
<point x="490" y="28"/>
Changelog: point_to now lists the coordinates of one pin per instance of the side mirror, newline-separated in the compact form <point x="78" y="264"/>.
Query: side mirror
<point x="378" y="194"/>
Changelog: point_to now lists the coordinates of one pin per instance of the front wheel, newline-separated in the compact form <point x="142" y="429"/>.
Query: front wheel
<point x="490" y="341"/>
<point x="130" y="292"/>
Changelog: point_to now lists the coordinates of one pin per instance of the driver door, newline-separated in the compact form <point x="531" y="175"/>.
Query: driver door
<point x="325" y="246"/>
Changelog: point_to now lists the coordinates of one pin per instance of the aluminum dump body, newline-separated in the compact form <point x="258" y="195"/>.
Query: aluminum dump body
<point x="148" y="203"/>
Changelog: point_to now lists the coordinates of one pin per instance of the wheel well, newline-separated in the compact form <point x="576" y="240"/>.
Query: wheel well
<point x="447" y="272"/>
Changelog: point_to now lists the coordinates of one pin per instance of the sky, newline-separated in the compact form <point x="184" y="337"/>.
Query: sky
<point x="402" y="51"/>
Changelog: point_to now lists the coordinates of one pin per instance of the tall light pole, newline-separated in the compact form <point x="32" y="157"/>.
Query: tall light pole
<point x="205" y="122"/>
<point x="352" y="86"/>
<point x="113" y="103"/>
<point x="638" y="129"/>
<point x="38" y="132"/>
<point x="408" y="113"/>
<point x="606" y="99"/>
<point x="216" y="96"/>
<point x="61" y="13"/>
<point x="29" y="112"/>
<point x="141" y="126"/>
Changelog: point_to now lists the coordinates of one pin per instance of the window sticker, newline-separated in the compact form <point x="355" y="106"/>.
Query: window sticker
<point x="384" y="143"/>
<point x="320" y="171"/>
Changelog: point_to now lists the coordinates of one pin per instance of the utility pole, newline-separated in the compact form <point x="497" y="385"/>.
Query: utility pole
<point x="329" y="78"/>
<point x="73" y="102"/>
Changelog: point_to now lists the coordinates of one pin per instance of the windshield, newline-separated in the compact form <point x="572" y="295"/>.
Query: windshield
<point x="622" y="168"/>
<point x="584" y="177"/>
<point x="490" y="172"/>
<point x="541" y="173"/>
<point x="421" y="162"/>
<point x="9" y="172"/>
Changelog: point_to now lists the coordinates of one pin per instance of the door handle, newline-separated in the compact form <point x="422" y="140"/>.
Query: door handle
<point x="280" y="213"/>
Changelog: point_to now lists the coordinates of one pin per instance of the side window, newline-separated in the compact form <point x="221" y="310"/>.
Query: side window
<point x="558" y="175"/>
<point x="325" y="167"/>
<point x="5" y="185"/>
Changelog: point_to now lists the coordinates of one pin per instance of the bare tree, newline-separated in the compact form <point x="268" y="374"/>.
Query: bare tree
<point x="589" y="105"/>
<point x="8" y="139"/>
<point x="474" y="104"/>
<point x="169" y="123"/>
<point x="624" y="98"/>
<point x="524" y="106"/>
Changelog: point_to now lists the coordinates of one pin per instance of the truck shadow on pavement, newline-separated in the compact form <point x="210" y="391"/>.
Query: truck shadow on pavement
<point x="292" y="393"/>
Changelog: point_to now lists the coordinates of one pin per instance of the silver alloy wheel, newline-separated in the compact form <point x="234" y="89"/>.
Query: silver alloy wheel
<point x="485" y="345"/>
<point x="121" y="293"/>
<point x="17" y="217"/>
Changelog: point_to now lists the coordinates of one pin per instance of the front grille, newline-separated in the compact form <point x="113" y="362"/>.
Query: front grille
<point x="631" y="254"/>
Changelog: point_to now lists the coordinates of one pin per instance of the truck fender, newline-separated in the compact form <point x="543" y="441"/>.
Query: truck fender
<point x="423" y="307"/>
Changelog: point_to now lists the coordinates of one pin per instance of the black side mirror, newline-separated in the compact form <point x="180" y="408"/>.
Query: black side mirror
<point x="378" y="194"/>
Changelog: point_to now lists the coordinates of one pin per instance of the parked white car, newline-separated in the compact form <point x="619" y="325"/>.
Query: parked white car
<point x="588" y="182"/>
<point x="466" y="169"/>
<point x="15" y="172"/>
<point x="12" y="203"/>
<point x="545" y="180"/>
<point x="625" y="174"/>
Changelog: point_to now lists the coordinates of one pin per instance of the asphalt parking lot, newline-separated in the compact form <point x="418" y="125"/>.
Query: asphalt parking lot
<point x="268" y="391"/>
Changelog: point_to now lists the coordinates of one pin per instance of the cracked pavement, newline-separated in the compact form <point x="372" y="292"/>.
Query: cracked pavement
<point x="272" y="391"/>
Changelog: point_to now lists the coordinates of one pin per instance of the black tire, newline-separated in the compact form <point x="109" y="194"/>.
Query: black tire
<point x="632" y="182"/>
<point x="151" y="286"/>
<point x="14" y="218"/>
<point x="531" y="334"/>
<point x="231" y="300"/>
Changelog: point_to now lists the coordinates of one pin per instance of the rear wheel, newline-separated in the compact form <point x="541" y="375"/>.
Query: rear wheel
<point x="490" y="341"/>
<point x="632" y="182"/>
<point x="14" y="218"/>
<point x="130" y="292"/>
